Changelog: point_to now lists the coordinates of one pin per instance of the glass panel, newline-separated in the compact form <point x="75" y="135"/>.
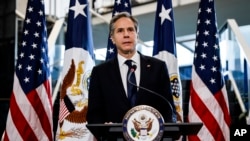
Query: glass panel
<point x="233" y="60"/>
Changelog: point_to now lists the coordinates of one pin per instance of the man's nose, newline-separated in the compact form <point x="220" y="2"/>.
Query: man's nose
<point x="126" y="33"/>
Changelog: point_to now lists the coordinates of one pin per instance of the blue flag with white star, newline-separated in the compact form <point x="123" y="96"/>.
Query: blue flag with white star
<point x="165" y="49"/>
<point x="78" y="64"/>
<point x="119" y="6"/>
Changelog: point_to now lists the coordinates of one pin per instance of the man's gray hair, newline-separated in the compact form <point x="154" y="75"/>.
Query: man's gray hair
<point x="121" y="15"/>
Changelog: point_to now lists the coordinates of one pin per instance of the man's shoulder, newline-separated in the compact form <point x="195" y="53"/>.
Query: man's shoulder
<point x="105" y="63"/>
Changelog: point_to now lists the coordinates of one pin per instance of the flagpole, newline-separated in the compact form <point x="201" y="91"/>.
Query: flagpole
<point x="98" y="15"/>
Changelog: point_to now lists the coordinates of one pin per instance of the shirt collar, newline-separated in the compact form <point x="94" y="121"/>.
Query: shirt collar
<point x="135" y="58"/>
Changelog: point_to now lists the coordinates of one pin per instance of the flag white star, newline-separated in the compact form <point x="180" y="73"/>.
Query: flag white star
<point x="26" y="80"/>
<point x="198" y="21"/>
<point x="41" y="60"/>
<point x="197" y="33"/>
<point x="195" y="55"/>
<point x="118" y="2"/>
<point x="34" y="45"/>
<point x="19" y="66"/>
<point x="26" y="32"/>
<point x="207" y="22"/>
<point x="165" y="14"/>
<point x="42" y="2"/>
<point x="27" y="20"/>
<point x="205" y="44"/>
<point x="203" y="55"/>
<point x="206" y="33"/>
<point x="111" y="50"/>
<point x="215" y="58"/>
<point x="212" y="80"/>
<point x="40" y="12"/>
<point x="39" y="71"/>
<point x="126" y="4"/>
<point x="30" y="9"/>
<point x="36" y="34"/>
<point x="78" y="9"/>
<point x="216" y="46"/>
<point x="214" y="69"/>
<point x="209" y="10"/>
<point x="21" y="55"/>
<point x="32" y="57"/>
<point x="38" y="23"/>
<point x="43" y="49"/>
<point x="196" y="44"/>
<point x="24" y="43"/>
<point x="216" y="35"/>
<point x="29" y="68"/>
<point x="199" y="11"/>
<point x="202" y="67"/>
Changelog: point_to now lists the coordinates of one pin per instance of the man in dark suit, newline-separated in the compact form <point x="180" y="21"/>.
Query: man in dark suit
<point x="108" y="94"/>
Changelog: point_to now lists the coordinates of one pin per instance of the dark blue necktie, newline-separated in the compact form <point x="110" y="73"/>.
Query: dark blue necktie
<point x="131" y="89"/>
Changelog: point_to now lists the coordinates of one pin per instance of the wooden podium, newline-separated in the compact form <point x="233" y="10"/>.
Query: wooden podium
<point x="172" y="131"/>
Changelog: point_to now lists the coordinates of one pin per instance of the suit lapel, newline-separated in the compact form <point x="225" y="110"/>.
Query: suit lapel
<point x="145" y="69"/>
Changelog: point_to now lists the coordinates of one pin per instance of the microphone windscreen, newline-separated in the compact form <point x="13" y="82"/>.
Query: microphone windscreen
<point x="134" y="67"/>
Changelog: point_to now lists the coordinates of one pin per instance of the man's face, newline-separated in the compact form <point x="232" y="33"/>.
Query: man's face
<point x="124" y="36"/>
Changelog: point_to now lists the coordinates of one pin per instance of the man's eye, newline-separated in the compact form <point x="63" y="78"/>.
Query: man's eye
<point x="131" y="29"/>
<point x="119" y="30"/>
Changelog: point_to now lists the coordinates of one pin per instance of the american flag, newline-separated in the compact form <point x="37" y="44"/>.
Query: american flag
<point x="78" y="64"/>
<point x="119" y="6"/>
<point x="30" y="113"/>
<point x="208" y="96"/>
<point x="165" y="49"/>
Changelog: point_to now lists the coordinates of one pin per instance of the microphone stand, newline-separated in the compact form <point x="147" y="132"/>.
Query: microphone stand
<point x="133" y="68"/>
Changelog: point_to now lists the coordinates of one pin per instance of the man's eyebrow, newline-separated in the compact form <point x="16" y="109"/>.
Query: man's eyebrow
<point x="125" y="27"/>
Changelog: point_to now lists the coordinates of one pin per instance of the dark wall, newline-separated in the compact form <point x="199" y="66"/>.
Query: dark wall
<point x="7" y="51"/>
<point x="7" y="46"/>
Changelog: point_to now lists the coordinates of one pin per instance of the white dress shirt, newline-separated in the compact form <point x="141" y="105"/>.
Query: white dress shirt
<point x="124" y="69"/>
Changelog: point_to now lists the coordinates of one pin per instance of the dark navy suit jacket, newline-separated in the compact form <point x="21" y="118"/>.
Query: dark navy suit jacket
<point x="107" y="98"/>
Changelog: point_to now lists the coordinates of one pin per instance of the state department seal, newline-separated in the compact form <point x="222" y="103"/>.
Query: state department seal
<point x="143" y="123"/>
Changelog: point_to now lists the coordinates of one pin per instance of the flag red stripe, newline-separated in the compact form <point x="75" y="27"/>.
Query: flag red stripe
<point x="5" y="137"/>
<point x="193" y="138"/>
<point x="47" y="104"/>
<point x="63" y="111"/>
<point x="221" y="100"/>
<point x="26" y="131"/>
<point x="39" y="108"/>
<point x="205" y="115"/>
<point x="25" y="113"/>
<point x="47" y="86"/>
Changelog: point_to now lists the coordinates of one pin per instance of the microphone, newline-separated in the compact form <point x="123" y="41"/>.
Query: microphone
<point x="132" y="69"/>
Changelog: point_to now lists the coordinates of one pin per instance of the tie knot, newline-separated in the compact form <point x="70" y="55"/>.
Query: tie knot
<point x="129" y="63"/>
